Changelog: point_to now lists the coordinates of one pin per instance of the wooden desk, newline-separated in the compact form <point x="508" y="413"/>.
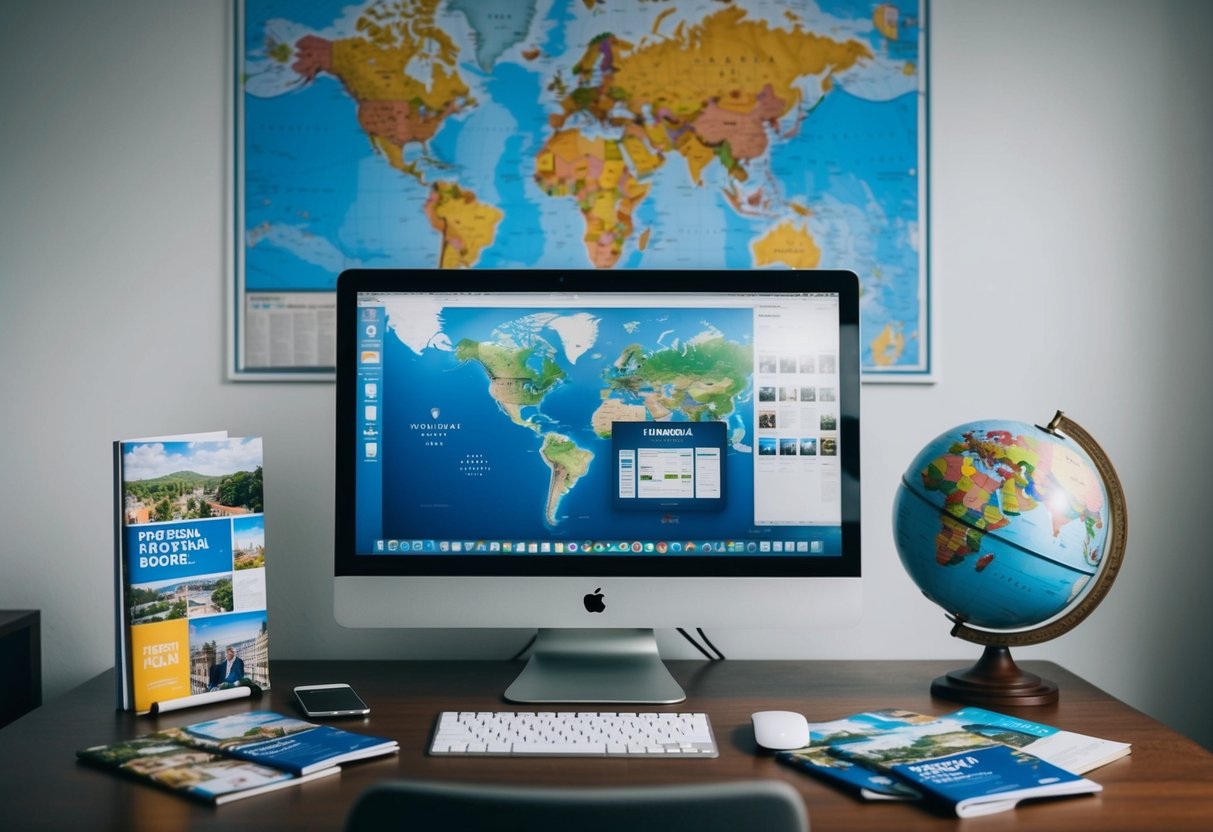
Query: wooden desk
<point x="1166" y="783"/>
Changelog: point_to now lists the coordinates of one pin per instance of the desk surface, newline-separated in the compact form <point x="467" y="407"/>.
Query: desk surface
<point x="1166" y="783"/>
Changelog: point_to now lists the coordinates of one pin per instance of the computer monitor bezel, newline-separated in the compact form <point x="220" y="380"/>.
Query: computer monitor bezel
<point x="635" y="282"/>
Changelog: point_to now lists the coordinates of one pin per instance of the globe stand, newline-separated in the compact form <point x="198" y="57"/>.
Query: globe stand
<point x="995" y="680"/>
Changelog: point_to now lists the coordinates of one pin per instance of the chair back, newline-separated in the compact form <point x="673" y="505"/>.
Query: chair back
<point x="767" y="805"/>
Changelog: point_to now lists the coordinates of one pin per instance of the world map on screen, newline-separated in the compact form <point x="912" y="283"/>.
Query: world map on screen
<point x="589" y="134"/>
<point x="536" y="395"/>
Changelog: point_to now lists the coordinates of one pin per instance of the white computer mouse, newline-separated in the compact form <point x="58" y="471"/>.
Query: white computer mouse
<point x="780" y="730"/>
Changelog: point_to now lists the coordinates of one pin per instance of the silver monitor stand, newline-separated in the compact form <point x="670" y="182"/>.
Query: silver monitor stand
<point x="592" y="665"/>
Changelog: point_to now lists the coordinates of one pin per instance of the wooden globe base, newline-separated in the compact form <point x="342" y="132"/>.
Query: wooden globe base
<point x="995" y="680"/>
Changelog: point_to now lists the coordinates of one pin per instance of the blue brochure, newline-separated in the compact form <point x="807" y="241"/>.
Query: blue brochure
<point x="283" y="742"/>
<point x="963" y="771"/>
<point x="1078" y="753"/>
<point x="971" y="761"/>
<point x="867" y="783"/>
<point x="184" y="769"/>
<point x="818" y="758"/>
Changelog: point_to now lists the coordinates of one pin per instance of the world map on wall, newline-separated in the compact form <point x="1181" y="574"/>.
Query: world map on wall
<point x="589" y="134"/>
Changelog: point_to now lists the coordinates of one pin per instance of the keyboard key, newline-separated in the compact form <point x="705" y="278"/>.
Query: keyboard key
<point x="558" y="749"/>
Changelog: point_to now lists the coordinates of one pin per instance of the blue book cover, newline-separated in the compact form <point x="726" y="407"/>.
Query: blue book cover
<point x="283" y="742"/>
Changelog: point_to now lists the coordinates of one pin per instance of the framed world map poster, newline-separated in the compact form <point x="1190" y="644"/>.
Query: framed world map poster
<point x="575" y="134"/>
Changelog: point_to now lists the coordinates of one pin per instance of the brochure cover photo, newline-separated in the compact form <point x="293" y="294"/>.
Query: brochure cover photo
<point x="871" y="784"/>
<point x="284" y="742"/>
<point x="191" y="567"/>
<point x="858" y="753"/>
<point x="191" y="771"/>
<point x="1078" y="753"/>
<point x="818" y="758"/>
<point x="965" y="771"/>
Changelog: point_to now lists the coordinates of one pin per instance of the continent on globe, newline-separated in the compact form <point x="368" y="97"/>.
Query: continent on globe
<point x="467" y="225"/>
<point x="968" y="497"/>
<point x="1023" y="476"/>
<point x="568" y="464"/>
<point x="513" y="384"/>
<point x="1074" y="478"/>
<point x="394" y="108"/>
<point x="1046" y="474"/>
<point x="955" y="542"/>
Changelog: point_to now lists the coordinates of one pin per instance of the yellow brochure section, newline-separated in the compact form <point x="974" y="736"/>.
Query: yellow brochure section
<point x="160" y="659"/>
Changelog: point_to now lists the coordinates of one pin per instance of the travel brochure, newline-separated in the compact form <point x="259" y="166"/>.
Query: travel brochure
<point x="972" y="762"/>
<point x="237" y="756"/>
<point x="193" y="772"/>
<point x="190" y="563"/>
<point x="285" y="742"/>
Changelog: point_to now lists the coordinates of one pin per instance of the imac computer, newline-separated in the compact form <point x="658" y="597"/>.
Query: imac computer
<point x="597" y="454"/>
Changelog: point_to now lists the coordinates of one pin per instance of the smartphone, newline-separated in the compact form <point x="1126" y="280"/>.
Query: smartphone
<point x="330" y="700"/>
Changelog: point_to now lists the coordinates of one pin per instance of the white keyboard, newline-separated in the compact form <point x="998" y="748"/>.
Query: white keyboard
<point x="572" y="734"/>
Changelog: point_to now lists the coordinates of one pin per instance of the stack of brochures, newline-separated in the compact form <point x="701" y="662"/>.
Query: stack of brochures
<point x="237" y="756"/>
<point x="971" y="762"/>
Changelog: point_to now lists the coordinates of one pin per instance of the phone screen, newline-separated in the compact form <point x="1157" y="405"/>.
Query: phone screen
<point x="330" y="700"/>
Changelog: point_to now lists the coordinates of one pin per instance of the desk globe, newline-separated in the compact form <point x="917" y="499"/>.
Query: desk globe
<point x="1017" y="531"/>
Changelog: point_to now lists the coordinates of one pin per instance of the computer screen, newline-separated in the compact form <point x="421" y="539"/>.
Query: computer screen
<point x="643" y="425"/>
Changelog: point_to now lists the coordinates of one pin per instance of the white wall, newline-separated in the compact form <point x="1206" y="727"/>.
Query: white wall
<point x="1071" y="229"/>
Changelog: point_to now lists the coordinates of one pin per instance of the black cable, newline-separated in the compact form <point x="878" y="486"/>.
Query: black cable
<point x="697" y="645"/>
<point x="708" y="642"/>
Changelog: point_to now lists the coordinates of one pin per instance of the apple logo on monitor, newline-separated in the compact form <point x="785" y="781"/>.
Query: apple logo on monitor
<point x="593" y="601"/>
